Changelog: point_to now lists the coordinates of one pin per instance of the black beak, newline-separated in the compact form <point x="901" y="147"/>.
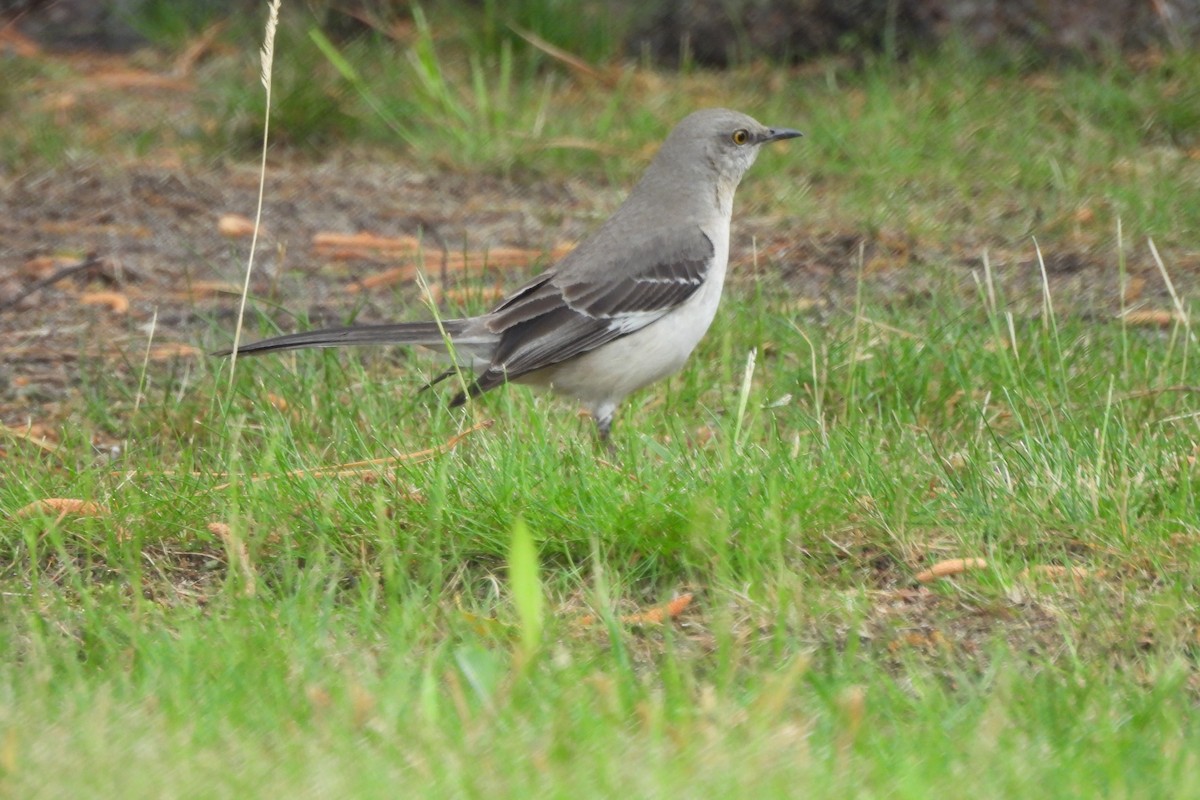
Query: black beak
<point x="779" y="134"/>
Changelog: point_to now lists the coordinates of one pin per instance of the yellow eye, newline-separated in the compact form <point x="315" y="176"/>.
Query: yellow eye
<point x="740" y="136"/>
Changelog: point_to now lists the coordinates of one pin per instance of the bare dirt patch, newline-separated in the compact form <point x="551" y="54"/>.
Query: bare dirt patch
<point x="140" y="248"/>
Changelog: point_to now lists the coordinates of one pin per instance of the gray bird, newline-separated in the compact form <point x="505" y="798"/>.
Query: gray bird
<point x="621" y="311"/>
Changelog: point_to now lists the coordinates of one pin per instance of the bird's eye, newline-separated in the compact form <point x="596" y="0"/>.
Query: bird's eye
<point x="740" y="136"/>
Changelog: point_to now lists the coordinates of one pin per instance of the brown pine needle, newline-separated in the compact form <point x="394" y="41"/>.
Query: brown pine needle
<point x="62" y="507"/>
<point x="28" y="435"/>
<point x="950" y="567"/>
<point x="369" y="465"/>
<point x="653" y="616"/>
<point x="569" y="59"/>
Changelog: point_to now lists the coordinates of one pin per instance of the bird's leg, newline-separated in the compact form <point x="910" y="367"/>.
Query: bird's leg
<point x="604" y="421"/>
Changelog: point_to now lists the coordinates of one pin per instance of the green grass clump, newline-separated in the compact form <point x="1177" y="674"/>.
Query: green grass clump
<point x="944" y="150"/>
<point x="359" y="633"/>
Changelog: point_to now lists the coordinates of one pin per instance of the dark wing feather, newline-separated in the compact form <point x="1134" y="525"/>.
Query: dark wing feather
<point x="674" y="271"/>
<point x="564" y="314"/>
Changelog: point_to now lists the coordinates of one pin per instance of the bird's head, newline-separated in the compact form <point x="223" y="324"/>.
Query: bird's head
<point x="729" y="140"/>
<point x="718" y="141"/>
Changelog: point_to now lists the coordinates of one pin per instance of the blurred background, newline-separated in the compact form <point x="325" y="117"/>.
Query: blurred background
<point x="671" y="33"/>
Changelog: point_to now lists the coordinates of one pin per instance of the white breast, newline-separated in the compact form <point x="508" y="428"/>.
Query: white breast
<point x="602" y="378"/>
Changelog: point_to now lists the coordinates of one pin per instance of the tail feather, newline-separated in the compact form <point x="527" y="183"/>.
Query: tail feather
<point x="430" y="334"/>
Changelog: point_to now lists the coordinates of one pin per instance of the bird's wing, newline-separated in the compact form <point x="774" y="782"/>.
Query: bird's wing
<point x="567" y="312"/>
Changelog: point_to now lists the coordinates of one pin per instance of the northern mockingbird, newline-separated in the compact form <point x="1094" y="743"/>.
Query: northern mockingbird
<point x="622" y="310"/>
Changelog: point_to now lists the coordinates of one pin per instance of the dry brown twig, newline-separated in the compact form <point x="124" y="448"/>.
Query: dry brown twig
<point x="950" y="567"/>
<point x="369" y="465"/>
<point x="651" y="616"/>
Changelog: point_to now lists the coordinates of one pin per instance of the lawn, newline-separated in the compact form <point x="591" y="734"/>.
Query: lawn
<point x="957" y="333"/>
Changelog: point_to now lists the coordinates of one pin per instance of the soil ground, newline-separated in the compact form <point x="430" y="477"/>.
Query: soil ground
<point x="149" y="236"/>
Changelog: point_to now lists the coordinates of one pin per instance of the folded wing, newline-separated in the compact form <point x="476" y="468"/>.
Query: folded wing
<point x="562" y="314"/>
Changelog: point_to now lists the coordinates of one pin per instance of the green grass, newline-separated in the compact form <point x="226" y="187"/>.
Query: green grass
<point x="380" y="648"/>
<point x="944" y="149"/>
<point x="389" y="634"/>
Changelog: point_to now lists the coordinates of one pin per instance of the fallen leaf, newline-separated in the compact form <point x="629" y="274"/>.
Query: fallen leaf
<point x="1152" y="317"/>
<point x="202" y="288"/>
<point x="389" y="277"/>
<point x="949" y="567"/>
<point x="37" y="435"/>
<point x="653" y="616"/>
<point x="437" y="260"/>
<point x="415" y="253"/>
<point x="235" y="226"/>
<point x="364" y="245"/>
<point x="41" y="267"/>
<point x="165" y="351"/>
<point x="115" y="301"/>
<point x="1132" y="291"/>
<point x="656" y="615"/>
<point x="62" y="506"/>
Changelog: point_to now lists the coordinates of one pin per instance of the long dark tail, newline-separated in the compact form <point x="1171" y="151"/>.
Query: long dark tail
<point x="422" y="333"/>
